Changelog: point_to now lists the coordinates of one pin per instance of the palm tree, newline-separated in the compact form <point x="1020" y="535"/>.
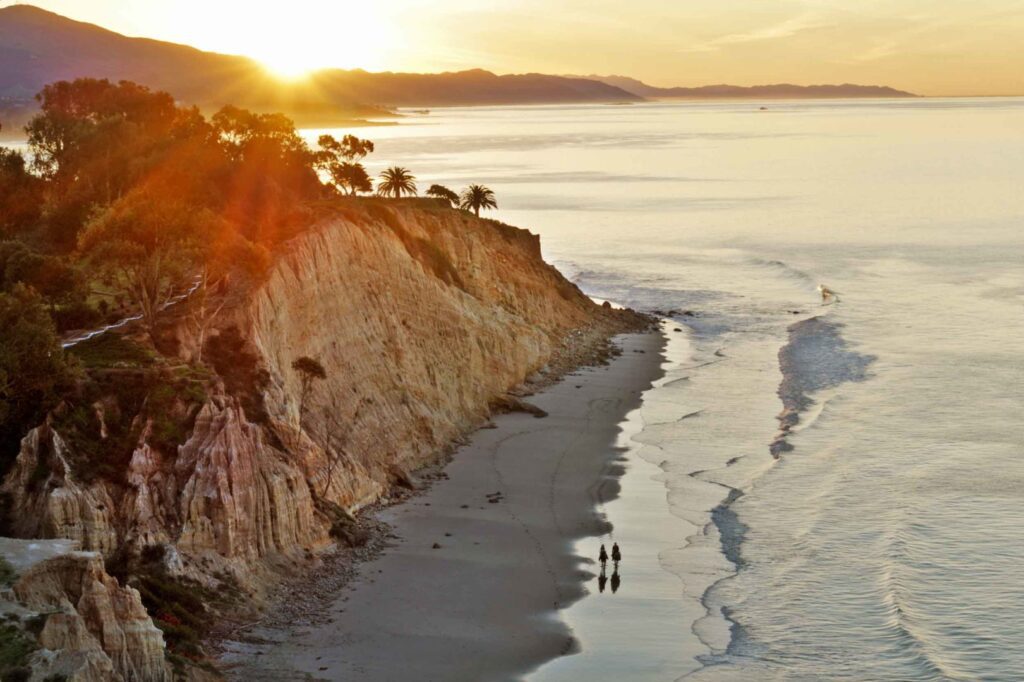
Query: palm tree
<point x="476" y="197"/>
<point x="395" y="182"/>
<point x="443" y="193"/>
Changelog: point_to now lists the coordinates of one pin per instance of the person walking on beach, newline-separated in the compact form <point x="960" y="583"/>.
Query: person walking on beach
<point x="603" y="556"/>
<point x="616" y="554"/>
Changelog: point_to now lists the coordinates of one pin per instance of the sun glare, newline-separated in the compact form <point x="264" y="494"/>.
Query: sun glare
<point x="288" y="66"/>
<point x="300" y="50"/>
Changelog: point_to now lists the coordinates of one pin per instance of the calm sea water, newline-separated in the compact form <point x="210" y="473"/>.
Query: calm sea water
<point x="814" y="491"/>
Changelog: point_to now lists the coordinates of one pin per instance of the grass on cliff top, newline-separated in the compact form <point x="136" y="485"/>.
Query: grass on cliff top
<point x="110" y="350"/>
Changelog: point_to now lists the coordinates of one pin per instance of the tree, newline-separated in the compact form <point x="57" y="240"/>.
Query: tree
<point x="150" y="248"/>
<point x="309" y="370"/>
<point x="94" y="124"/>
<point x="351" y="177"/>
<point x="340" y="160"/>
<point x="271" y="173"/>
<point x="94" y="141"/>
<point x="33" y="371"/>
<point x="51" y="276"/>
<point x="395" y="182"/>
<point x="443" y="193"/>
<point x="349" y="148"/>
<point x="476" y="197"/>
<point x="21" y="194"/>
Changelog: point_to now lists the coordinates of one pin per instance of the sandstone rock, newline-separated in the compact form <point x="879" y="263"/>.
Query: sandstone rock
<point x="48" y="502"/>
<point x="413" y="355"/>
<point x="94" y="627"/>
<point x="242" y="498"/>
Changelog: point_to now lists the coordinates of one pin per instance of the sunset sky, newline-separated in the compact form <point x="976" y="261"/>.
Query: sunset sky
<point x="935" y="47"/>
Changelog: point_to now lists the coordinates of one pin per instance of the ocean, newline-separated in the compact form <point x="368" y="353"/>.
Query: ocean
<point x="817" y="489"/>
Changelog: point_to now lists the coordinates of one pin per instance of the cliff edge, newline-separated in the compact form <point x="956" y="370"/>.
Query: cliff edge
<point x="211" y="463"/>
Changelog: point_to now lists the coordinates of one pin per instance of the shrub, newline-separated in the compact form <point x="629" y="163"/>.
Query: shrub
<point x="7" y="573"/>
<point x="15" y="649"/>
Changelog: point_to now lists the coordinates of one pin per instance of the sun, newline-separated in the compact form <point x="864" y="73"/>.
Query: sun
<point x="289" y="66"/>
<point x="293" y="52"/>
<point x="296" y="38"/>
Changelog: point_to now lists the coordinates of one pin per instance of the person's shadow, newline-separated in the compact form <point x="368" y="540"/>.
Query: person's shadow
<point x="602" y="580"/>
<point x="616" y="580"/>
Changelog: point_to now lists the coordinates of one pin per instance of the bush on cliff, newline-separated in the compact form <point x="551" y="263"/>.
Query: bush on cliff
<point x="15" y="649"/>
<point x="33" y="371"/>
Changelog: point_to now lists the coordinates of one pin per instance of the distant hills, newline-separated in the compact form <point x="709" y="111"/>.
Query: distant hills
<point x="778" y="91"/>
<point x="38" y="47"/>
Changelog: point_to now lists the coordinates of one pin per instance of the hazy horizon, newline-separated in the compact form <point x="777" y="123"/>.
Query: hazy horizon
<point x="935" y="49"/>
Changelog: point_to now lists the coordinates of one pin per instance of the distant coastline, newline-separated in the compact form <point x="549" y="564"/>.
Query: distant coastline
<point x="768" y="91"/>
<point x="38" y="47"/>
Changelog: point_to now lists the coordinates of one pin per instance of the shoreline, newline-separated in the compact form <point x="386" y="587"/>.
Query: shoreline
<point x="464" y="578"/>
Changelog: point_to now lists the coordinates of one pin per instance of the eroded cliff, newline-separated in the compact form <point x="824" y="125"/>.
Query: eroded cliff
<point x="219" y="463"/>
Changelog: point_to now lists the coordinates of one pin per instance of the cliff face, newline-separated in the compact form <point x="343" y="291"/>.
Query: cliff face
<point x="421" y="319"/>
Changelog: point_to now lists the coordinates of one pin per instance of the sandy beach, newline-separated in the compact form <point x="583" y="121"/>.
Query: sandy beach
<point x="483" y="559"/>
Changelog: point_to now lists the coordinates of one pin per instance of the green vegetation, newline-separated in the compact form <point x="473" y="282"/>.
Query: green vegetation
<point x="15" y="649"/>
<point x="33" y="371"/>
<point x="108" y="351"/>
<point x="128" y="199"/>
<point x="120" y="403"/>
<point x="179" y="606"/>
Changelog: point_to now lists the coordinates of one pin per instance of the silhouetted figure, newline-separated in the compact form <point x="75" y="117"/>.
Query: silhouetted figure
<point x="603" y="556"/>
<point x="616" y="581"/>
<point x="602" y="579"/>
<point x="616" y="554"/>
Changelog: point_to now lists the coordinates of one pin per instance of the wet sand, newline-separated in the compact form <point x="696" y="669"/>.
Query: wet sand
<point x="471" y="588"/>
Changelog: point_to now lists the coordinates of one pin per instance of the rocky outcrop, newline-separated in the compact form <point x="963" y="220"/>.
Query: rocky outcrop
<point x="242" y="498"/>
<point x="45" y="499"/>
<point x="93" y="628"/>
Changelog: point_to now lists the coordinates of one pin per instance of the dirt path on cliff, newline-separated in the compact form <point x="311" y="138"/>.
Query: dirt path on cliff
<point x="484" y="557"/>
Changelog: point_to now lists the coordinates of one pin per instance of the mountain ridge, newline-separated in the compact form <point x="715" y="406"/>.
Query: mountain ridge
<point x="772" y="90"/>
<point x="38" y="47"/>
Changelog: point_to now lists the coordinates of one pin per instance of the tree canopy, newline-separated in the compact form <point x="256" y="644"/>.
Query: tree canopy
<point x="21" y="194"/>
<point x="445" y="194"/>
<point x="149" y="246"/>
<point x="339" y="159"/>
<point x="33" y="371"/>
